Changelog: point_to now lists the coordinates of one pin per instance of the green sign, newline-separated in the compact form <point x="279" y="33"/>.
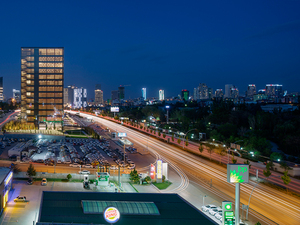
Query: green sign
<point x="228" y="214"/>
<point x="237" y="173"/>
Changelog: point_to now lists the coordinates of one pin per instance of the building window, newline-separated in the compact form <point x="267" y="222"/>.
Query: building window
<point x="50" y="51"/>
<point x="42" y="52"/>
<point x="58" y="51"/>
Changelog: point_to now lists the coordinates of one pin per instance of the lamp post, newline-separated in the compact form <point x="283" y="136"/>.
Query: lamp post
<point x="167" y="107"/>
<point x="185" y="136"/>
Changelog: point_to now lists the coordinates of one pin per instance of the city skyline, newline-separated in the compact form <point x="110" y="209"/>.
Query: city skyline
<point x="159" y="46"/>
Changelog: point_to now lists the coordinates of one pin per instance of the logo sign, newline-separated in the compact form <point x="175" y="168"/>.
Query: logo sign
<point x="158" y="169"/>
<point x="122" y="134"/>
<point x="228" y="214"/>
<point x="114" y="109"/>
<point x="111" y="214"/>
<point x="237" y="173"/>
<point x="152" y="172"/>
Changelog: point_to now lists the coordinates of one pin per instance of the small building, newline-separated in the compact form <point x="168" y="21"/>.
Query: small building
<point x="80" y="208"/>
<point x="295" y="168"/>
<point x="6" y="176"/>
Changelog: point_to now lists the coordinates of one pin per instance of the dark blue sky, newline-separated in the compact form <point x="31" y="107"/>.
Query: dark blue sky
<point x="168" y="45"/>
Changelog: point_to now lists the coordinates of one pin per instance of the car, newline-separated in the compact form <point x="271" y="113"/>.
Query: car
<point x="30" y="181"/>
<point x="88" y="166"/>
<point x="84" y="172"/>
<point x="113" y="167"/>
<point x="20" y="199"/>
<point x="131" y="167"/>
<point x="208" y="207"/>
<point x="44" y="182"/>
<point x="219" y="215"/>
<point x="213" y="211"/>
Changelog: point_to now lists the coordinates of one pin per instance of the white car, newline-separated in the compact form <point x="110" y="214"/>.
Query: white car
<point x="44" y="182"/>
<point x="20" y="199"/>
<point x="88" y="166"/>
<point x="214" y="211"/>
<point x="75" y="165"/>
<point x="208" y="207"/>
<point x="219" y="215"/>
<point x="84" y="172"/>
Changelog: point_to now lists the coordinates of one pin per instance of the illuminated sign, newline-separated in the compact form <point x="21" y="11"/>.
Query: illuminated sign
<point x="8" y="178"/>
<point x="5" y="199"/>
<point x="114" y="109"/>
<point x="237" y="173"/>
<point x="111" y="214"/>
<point x="152" y="171"/>
<point x="158" y="169"/>
<point x="228" y="214"/>
<point x="122" y="134"/>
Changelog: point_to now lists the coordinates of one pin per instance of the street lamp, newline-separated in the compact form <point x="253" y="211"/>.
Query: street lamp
<point x="167" y="107"/>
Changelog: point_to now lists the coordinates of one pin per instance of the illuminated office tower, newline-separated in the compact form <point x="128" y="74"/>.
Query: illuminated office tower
<point x="274" y="90"/>
<point x="121" y="92"/>
<point x="98" y="95"/>
<point x="219" y="93"/>
<point x="185" y="94"/>
<point x="1" y="89"/>
<point x="161" y="95"/>
<point x="144" y="93"/>
<point x="42" y="80"/>
<point x="251" y="90"/>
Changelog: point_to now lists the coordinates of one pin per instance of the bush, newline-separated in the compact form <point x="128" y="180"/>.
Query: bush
<point x="69" y="176"/>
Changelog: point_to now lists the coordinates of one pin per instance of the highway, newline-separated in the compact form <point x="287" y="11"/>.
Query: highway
<point x="265" y="202"/>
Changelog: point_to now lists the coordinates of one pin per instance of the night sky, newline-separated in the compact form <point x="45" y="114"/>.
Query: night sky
<point x="170" y="45"/>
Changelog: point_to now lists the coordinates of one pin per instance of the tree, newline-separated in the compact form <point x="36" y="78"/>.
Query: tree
<point x="186" y="143"/>
<point x="270" y="165"/>
<point x="179" y="140"/>
<point x="210" y="149"/>
<point x="286" y="179"/>
<point x="159" y="134"/>
<point x="164" y="135"/>
<point x="147" y="179"/>
<point x="172" y="137"/>
<point x="134" y="176"/>
<point x="247" y="162"/>
<point x="31" y="172"/>
<point x="233" y="159"/>
<point x="285" y="166"/>
<point x="201" y="148"/>
<point x="163" y="178"/>
<point x="258" y="223"/>
<point x="267" y="173"/>
<point x="69" y="176"/>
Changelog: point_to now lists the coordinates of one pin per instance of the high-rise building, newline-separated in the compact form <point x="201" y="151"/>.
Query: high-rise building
<point x="114" y="95"/>
<point x="80" y="98"/>
<point x="274" y="90"/>
<point x="42" y="80"/>
<point x="210" y="93"/>
<point x="203" y="91"/>
<point x="234" y="92"/>
<point x="69" y="96"/>
<point x="17" y="95"/>
<point x="121" y="92"/>
<point x="144" y="93"/>
<point x="228" y="90"/>
<point x="98" y="95"/>
<point x="185" y="94"/>
<point x="196" y="94"/>
<point x="1" y="90"/>
<point x="251" y="90"/>
<point x="161" y="94"/>
<point x="219" y="93"/>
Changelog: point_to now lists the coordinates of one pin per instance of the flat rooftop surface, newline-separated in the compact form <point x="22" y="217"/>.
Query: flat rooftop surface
<point x="66" y="207"/>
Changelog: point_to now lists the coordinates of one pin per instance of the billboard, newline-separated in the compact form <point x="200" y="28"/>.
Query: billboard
<point x="237" y="173"/>
<point x="122" y="134"/>
<point x="159" y="169"/>
<point x="114" y="109"/>
<point x="152" y="172"/>
<point x="111" y="215"/>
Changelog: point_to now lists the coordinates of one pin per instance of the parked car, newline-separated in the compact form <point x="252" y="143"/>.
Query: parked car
<point x="214" y="211"/>
<point x="219" y="215"/>
<point x="30" y="181"/>
<point x="88" y="166"/>
<point x="208" y="207"/>
<point x="84" y="172"/>
<point x="20" y="199"/>
<point x="44" y="182"/>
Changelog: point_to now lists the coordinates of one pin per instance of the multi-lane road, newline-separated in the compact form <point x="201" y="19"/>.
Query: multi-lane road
<point x="269" y="206"/>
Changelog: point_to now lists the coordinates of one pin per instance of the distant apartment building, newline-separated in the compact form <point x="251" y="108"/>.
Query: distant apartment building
<point x="17" y="95"/>
<point x="185" y="94"/>
<point x="69" y="96"/>
<point x="98" y="95"/>
<point x="42" y="80"/>
<point x="144" y="93"/>
<point x="251" y="90"/>
<point x="219" y="93"/>
<point x="202" y="92"/>
<point x="234" y="92"/>
<point x="161" y="95"/>
<point x="274" y="90"/>
<point x="210" y="93"/>
<point x="228" y="90"/>
<point x="1" y="90"/>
